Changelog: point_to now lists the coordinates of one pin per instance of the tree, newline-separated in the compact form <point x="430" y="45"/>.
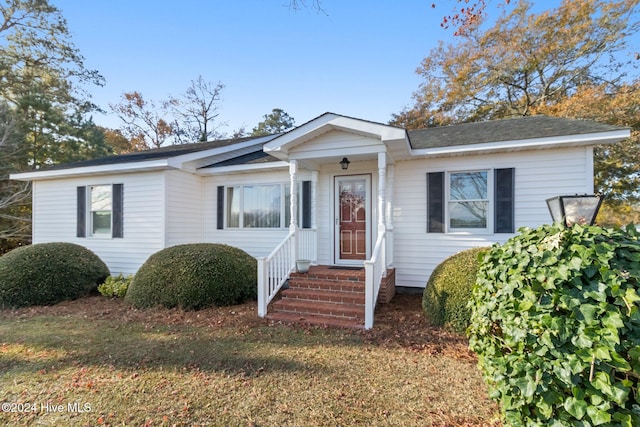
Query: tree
<point x="120" y="144"/>
<point x="572" y="61"/>
<point x="524" y="61"/>
<point x="277" y="121"/>
<point x="143" y="120"/>
<point x="15" y="196"/>
<point x="617" y="172"/>
<point x="42" y="79"/>
<point x="196" y="112"/>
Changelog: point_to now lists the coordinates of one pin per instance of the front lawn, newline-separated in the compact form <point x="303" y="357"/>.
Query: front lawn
<point x="96" y="361"/>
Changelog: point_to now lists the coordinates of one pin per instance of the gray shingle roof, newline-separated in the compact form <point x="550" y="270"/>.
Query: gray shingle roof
<point x="504" y="130"/>
<point x="247" y="159"/>
<point x="153" y="154"/>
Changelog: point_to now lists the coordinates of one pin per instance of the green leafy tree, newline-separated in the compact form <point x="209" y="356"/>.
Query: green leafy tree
<point x="277" y="121"/>
<point x="42" y="87"/>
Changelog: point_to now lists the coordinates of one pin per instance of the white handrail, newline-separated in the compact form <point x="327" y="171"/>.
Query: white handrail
<point x="274" y="270"/>
<point x="375" y="269"/>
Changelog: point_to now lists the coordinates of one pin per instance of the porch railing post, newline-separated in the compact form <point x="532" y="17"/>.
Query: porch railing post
<point x="263" y="285"/>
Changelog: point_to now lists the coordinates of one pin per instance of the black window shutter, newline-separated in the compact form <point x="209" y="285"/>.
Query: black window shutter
<point x="306" y="204"/>
<point x="220" y="208"/>
<point x="81" y="215"/>
<point x="504" y="183"/>
<point x="118" y="211"/>
<point x="435" y="202"/>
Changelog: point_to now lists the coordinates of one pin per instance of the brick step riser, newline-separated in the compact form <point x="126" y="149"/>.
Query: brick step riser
<point x="338" y="299"/>
<point x="327" y="279"/>
<point x="336" y="315"/>
<point x="341" y="311"/>
<point x="317" y="320"/>
<point x="341" y="286"/>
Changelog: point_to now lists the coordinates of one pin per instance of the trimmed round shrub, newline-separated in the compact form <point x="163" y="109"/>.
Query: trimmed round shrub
<point x="446" y="297"/>
<point x="556" y="326"/>
<point x="195" y="276"/>
<point x="47" y="273"/>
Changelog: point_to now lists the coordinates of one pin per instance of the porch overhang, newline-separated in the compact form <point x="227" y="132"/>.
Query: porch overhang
<point x="376" y="138"/>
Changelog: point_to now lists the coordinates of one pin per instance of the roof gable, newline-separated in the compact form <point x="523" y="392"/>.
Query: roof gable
<point x="327" y="122"/>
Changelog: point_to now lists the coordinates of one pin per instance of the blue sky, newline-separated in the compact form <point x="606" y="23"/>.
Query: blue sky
<point x="357" y="59"/>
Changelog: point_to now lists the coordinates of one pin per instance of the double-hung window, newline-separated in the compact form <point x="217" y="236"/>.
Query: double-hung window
<point x="100" y="211"/>
<point x="468" y="197"/>
<point x="101" y="207"/>
<point x="479" y="201"/>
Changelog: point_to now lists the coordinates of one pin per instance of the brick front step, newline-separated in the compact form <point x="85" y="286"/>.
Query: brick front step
<point x="299" y="293"/>
<point x="319" y="308"/>
<point x="314" y="320"/>
<point x="326" y="285"/>
<point x="326" y="296"/>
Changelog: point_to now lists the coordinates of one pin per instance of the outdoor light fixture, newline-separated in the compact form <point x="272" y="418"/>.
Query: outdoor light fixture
<point x="344" y="163"/>
<point x="577" y="209"/>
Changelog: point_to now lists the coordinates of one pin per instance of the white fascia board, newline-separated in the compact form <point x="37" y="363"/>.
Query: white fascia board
<point x="92" y="170"/>
<point x="525" y="144"/>
<point x="243" y="168"/>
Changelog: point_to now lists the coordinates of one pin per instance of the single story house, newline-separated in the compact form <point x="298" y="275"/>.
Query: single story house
<point x="339" y="191"/>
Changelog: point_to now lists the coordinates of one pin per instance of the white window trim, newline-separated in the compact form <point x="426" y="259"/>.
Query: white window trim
<point x="283" y="207"/>
<point x="490" y="198"/>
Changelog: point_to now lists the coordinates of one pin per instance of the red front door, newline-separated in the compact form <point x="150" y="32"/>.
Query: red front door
<point x="352" y="212"/>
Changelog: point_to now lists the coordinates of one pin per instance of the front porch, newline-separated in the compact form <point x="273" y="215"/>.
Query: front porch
<point x="346" y="217"/>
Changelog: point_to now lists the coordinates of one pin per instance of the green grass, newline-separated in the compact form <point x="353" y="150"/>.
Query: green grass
<point x="226" y="367"/>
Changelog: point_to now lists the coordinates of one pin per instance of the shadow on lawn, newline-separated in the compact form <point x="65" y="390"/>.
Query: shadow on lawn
<point x="99" y="331"/>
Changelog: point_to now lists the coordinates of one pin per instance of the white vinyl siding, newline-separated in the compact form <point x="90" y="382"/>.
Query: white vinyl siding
<point x="539" y="174"/>
<point x="55" y="217"/>
<point x="183" y="208"/>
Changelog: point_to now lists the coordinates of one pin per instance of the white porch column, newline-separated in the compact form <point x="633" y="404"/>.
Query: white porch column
<point x="314" y="200"/>
<point x="314" y="215"/>
<point x="390" y="183"/>
<point x="293" y="225"/>
<point x="382" y="181"/>
<point x="293" y="175"/>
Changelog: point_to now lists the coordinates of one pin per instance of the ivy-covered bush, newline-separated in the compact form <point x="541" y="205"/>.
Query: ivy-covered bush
<point x="446" y="297"/>
<point x="556" y="325"/>
<point x="47" y="273"/>
<point x="115" y="286"/>
<point x="195" y="276"/>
